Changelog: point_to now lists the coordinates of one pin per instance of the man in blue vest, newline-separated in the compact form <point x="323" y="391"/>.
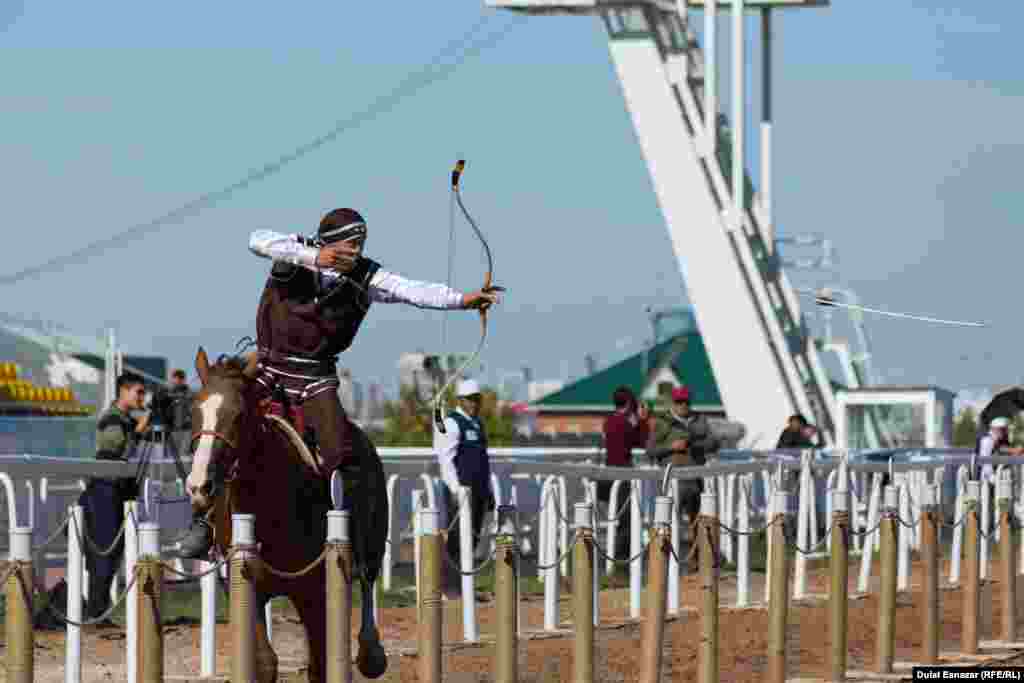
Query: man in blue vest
<point x="463" y="459"/>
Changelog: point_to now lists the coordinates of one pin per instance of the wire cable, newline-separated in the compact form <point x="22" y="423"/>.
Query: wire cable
<point x="411" y="85"/>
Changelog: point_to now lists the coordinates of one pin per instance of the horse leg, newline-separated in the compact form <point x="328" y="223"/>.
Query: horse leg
<point x="266" y="658"/>
<point x="309" y="603"/>
<point x="372" y="660"/>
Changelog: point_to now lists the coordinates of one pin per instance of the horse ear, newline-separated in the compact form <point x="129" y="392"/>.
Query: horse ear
<point x="251" y="365"/>
<point x="202" y="366"/>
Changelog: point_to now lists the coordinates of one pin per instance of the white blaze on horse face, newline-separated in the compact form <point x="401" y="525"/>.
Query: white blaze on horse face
<point x="204" y="449"/>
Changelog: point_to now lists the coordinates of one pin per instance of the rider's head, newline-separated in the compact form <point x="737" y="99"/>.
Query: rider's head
<point x="468" y="393"/>
<point x="342" y="225"/>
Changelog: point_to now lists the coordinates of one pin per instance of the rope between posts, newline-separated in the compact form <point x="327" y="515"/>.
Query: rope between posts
<point x="472" y="572"/>
<point x="188" y="576"/>
<point x="750" y="532"/>
<point x="908" y="525"/>
<point x="106" y="615"/>
<point x="813" y="548"/>
<point x="296" y="574"/>
<point x="621" y="563"/>
<point x="56" y="534"/>
<point x="866" y="532"/>
<point x="81" y="534"/>
<point x="565" y="554"/>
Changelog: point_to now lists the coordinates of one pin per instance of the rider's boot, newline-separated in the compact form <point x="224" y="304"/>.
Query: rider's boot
<point x="198" y="540"/>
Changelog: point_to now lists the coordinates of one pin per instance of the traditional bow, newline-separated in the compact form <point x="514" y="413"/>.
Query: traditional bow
<point x="488" y="287"/>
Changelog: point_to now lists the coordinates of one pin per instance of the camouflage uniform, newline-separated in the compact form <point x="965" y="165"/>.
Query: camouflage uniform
<point x="695" y="429"/>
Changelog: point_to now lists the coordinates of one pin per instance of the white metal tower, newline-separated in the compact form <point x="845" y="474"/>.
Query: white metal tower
<point x="765" y="363"/>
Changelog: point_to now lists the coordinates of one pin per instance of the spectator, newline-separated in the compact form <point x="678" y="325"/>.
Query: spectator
<point x="464" y="461"/>
<point x="624" y="430"/>
<point x="172" y="407"/>
<point x="686" y="437"/>
<point x="996" y="442"/>
<point x="103" y="499"/>
<point x="797" y="434"/>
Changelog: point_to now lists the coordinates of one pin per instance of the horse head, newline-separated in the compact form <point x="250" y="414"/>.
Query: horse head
<point x="224" y="422"/>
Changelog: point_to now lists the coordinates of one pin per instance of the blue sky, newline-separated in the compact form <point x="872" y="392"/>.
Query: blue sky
<point x="898" y="136"/>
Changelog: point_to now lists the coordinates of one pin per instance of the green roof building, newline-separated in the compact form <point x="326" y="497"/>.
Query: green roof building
<point x="679" y="360"/>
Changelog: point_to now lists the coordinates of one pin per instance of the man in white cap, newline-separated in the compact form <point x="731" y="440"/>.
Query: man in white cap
<point x="463" y="459"/>
<point x="996" y="441"/>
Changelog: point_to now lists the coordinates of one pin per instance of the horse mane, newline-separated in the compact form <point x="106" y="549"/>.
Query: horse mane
<point x="228" y="366"/>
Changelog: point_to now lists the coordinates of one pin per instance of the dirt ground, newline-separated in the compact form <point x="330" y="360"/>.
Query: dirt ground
<point x="547" y="657"/>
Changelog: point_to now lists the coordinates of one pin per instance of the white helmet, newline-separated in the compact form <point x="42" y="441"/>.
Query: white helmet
<point x="1000" y="423"/>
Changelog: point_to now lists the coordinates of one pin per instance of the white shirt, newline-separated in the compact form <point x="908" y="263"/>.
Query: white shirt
<point x="385" y="287"/>
<point x="985" y="449"/>
<point x="447" y="446"/>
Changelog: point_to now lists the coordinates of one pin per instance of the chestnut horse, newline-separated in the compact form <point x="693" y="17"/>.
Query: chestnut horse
<point x="270" y="473"/>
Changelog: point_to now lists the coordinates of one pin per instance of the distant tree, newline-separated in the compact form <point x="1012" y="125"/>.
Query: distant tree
<point x="409" y="420"/>
<point x="965" y="429"/>
<point x="1017" y="430"/>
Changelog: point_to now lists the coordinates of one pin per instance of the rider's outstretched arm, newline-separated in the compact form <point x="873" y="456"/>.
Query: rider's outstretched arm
<point x="389" y="288"/>
<point x="280" y="247"/>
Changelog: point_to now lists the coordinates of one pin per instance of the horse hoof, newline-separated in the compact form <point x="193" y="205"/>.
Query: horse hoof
<point x="372" y="660"/>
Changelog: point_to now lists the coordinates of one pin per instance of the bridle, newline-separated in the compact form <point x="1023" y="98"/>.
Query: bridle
<point x="196" y="435"/>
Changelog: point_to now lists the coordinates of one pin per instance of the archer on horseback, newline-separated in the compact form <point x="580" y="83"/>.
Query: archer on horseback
<point x="317" y="296"/>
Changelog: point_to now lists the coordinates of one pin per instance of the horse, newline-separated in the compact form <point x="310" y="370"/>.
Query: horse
<point x="270" y="472"/>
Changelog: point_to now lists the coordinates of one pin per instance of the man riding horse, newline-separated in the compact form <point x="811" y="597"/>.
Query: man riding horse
<point x="317" y="296"/>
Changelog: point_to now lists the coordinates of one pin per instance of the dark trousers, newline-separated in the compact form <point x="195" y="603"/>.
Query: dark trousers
<point x="334" y="432"/>
<point x="477" y="508"/>
<point x="103" y="502"/>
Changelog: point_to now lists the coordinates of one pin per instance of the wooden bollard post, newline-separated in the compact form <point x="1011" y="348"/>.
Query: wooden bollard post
<point x="430" y="596"/>
<point x="150" y="645"/>
<point x="243" y="597"/>
<point x="886" y="641"/>
<point x="840" y="566"/>
<point x="778" y="591"/>
<point x="18" y="589"/>
<point x="339" y="596"/>
<point x="707" y="550"/>
<point x="583" y="596"/>
<point x="653" y="633"/>
<point x="969" y="584"/>
<point x="1007" y="555"/>
<point x="929" y="576"/>
<point x="506" y="583"/>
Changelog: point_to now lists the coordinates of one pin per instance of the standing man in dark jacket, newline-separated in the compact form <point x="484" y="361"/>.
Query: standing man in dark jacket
<point x="624" y="430"/>
<point x="685" y="437"/>
<point x="464" y="461"/>
<point x="104" y="498"/>
<point x="797" y="434"/>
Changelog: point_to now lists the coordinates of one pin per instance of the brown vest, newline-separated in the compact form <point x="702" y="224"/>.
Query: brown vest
<point x="298" y="317"/>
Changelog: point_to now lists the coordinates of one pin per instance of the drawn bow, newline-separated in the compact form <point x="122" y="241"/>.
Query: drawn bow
<point x="487" y="287"/>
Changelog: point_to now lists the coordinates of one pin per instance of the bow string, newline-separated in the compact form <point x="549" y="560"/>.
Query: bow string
<point x="488" y="286"/>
